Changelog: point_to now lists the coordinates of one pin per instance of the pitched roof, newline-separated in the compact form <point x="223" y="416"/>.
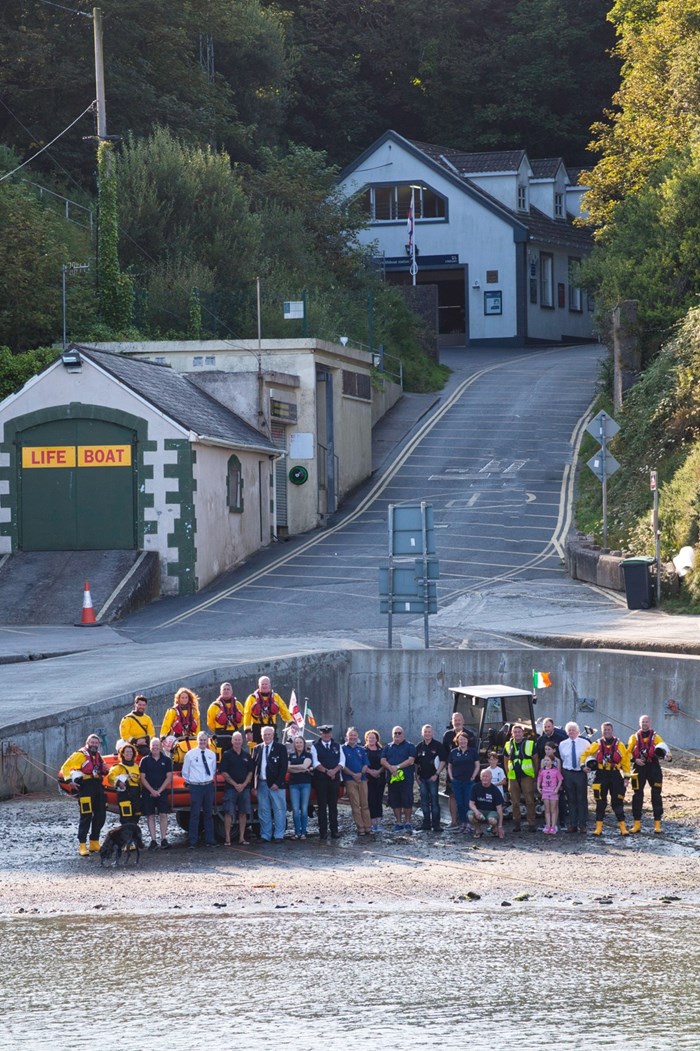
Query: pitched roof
<point x="473" y="163"/>
<point x="557" y="231"/>
<point x="180" y="399"/>
<point x="546" y="167"/>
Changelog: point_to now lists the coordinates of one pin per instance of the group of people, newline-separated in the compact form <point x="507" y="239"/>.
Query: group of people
<point x="241" y="744"/>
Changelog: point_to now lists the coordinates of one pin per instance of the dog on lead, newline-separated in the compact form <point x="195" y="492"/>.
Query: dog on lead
<point x="123" y="837"/>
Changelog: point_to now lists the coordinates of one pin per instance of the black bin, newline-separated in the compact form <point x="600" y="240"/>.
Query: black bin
<point x="639" y="582"/>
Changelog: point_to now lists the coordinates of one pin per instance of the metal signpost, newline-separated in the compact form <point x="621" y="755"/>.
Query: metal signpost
<point x="654" y="486"/>
<point x="408" y="583"/>
<point x="603" y="464"/>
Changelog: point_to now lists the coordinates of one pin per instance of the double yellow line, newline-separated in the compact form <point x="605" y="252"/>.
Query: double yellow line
<point x="565" y="504"/>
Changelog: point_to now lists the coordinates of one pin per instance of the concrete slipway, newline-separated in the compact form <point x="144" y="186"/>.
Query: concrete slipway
<point x="603" y="657"/>
<point x="57" y="684"/>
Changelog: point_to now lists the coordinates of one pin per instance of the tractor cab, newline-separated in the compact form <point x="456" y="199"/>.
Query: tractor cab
<point x="490" y="711"/>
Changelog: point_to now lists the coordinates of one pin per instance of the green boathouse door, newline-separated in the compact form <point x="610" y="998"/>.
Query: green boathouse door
<point x="77" y="486"/>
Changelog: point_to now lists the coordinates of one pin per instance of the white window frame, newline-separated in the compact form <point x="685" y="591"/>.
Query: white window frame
<point x="547" y="280"/>
<point x="558" y="205"/>
<point x="575" y="291"/>
<point x="399" y="210"/>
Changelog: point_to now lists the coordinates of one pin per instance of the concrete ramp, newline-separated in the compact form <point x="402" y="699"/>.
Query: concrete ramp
<point x="46" y="587"/>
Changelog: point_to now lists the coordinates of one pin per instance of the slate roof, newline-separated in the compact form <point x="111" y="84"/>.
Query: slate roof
<point x="180" y="399"/>
<point x="540" y="227"/>
<point x="557" y="231"/>
<point x="473" y="163"/>
<point x="546" y="167"/>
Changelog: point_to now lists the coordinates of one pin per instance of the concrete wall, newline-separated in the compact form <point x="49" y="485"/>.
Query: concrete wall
<point x="293" y="361"/>
<point x="378" y="688"/>
<point x="585" y="561"/>
<point x="384" y="399"/>
<point x="225" y="538"/>
<point x="553" y="323"/>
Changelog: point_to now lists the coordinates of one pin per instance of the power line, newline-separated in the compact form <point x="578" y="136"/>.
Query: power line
<point x="39" y="152"/>
<point x="73" y="10"/>
<point x="33" y="137"/>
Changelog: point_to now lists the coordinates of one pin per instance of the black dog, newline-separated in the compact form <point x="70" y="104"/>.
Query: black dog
<point x="123" y="837"/>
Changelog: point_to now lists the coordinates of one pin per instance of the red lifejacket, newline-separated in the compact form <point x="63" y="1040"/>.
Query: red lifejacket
<point x="94" y="765"/>
<point x="185" y="724"/>
<point x="265" y="708"/>
<point x="642" y="750"/>
<point x="229" y="713"/>
<point x="608" y="753"/>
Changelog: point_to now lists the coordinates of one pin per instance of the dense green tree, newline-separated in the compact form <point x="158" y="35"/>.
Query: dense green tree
<point x="35" y="243"/>
<point x="16" y="369"/>
<point x="211" y="70"/>
<point x="650" y="251"/>
<point x="657" y="109"/>
<point x="469" y="73"/>
<point x="185" y="223"/>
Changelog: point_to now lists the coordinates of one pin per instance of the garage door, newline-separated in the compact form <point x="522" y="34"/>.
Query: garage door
<point x="76" y="486"/>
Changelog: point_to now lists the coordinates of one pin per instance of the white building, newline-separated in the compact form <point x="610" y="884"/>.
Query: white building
<point x="494" y="232"/>
<point x="313" y="399"/>
<point x="102" y="453"/>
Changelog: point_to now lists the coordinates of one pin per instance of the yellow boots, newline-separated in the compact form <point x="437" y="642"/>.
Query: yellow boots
<point x="657" y="827"/>
<point x="94" y="846"/>
<point x="624" y="831"/>
<point x="636" y="827"/>
<point x="83" y="850"/>
<point x="598" y="830"/>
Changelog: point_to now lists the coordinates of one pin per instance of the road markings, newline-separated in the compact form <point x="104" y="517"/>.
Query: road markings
<point x="375" y="492"/>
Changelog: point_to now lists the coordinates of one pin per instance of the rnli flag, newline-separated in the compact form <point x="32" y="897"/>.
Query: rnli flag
<point x="296" y="711"/>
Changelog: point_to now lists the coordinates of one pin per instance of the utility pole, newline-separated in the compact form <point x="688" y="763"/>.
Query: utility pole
<point x="99" y="75"/>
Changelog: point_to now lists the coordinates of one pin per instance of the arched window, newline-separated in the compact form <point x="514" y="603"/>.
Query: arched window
<point x="234" y="485"/>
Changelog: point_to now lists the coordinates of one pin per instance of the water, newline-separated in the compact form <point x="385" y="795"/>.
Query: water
<point x="484" y="976"/>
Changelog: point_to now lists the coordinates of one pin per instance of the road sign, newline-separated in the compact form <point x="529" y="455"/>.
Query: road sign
<point x="653" y="481"/>
<point x="596" y="465"/>
<point x="408" y="581"/>
<point x="406" y="527"/>
<point x="293" y="309"/>
<point x="602" y="427"/>
<point x="406" y="605"/>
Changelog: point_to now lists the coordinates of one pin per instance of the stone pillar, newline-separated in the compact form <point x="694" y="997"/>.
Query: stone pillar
<point x="626" y="353"/>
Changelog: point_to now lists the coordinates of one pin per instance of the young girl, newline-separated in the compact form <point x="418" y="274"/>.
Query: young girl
<point x="549" y="782"/>
<point x="550" y="751"/>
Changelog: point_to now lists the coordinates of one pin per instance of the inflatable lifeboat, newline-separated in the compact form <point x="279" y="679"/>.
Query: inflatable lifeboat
<point x="179" y="793"/>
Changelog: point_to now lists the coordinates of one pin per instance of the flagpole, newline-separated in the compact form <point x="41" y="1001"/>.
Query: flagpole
<point x="414" y="268"/>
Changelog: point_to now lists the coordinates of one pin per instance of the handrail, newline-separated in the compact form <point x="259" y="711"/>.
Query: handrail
<point x="67" y="205"/>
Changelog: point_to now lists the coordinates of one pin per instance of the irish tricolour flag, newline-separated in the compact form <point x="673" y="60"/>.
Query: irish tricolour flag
<point x="540" y="680"/>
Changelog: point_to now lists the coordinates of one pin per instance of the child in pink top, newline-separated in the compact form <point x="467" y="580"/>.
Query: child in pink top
<point x="549" y="782"/>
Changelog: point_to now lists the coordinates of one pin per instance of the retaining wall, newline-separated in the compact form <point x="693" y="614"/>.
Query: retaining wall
<point x="378" y="688"/>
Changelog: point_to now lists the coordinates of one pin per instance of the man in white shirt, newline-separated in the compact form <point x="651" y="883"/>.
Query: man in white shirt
<point x="575" y="777"/>
<point x="199" y="773"/>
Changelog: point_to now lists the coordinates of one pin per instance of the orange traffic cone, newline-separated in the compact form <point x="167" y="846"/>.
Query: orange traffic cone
<point x="88" y="618"/>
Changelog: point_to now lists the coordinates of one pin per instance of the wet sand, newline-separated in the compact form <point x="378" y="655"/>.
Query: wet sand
<point x="43" y="875"/>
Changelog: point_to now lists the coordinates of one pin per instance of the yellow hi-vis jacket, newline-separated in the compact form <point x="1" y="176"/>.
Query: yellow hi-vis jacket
<point x="135" y="728"/>
<point x="623" y="765"/>
<point x="216" y="709"/>
<point x="131" y="770"/>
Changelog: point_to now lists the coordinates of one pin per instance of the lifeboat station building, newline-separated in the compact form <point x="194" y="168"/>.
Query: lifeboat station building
<point x="100" y="452"/>
<point x="495" y="234"/>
